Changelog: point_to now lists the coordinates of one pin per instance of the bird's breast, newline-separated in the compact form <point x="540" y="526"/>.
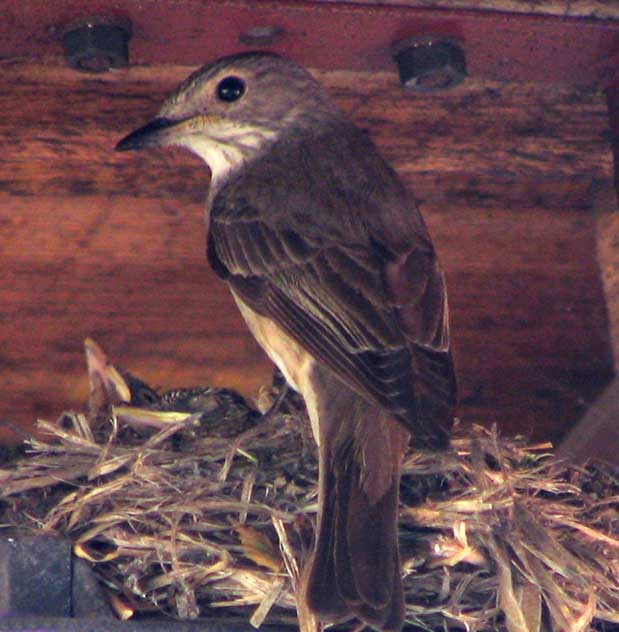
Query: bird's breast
<point x="292" y="360"/>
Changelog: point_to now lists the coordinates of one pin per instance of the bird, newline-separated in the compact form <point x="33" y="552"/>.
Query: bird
<point x="219" y="412"/>
<point x="333" y="269"/>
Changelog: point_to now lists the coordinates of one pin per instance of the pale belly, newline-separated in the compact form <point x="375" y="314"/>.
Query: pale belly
<point x="291" y="358"/>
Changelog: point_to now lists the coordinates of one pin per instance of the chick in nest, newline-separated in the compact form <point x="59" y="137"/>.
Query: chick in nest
<point x="218" y="412"/>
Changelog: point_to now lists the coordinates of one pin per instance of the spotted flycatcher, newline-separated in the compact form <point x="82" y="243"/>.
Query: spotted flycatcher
<point x="333" y="270"/>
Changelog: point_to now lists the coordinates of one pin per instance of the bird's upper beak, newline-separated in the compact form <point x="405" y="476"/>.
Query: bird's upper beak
<point x="165" y="131"/>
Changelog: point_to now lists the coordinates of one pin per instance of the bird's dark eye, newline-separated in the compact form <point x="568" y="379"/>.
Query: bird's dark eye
<point x="230" y="89"/>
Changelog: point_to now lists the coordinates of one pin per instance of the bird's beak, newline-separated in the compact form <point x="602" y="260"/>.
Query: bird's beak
<point x="164" y="131"/>
<point x="104" y="376"/>
<point x="153" y="134"/>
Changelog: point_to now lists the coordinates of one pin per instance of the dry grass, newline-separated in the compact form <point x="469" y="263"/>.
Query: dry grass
<point x="496" y="535"/>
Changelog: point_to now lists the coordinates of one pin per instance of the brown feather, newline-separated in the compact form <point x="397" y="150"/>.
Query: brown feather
<point x="360" y="288"/>
<point x="356" y="563"/>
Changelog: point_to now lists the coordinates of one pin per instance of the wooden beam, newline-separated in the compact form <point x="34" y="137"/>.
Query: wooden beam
<point x="598" y="9"/>
<point x="608" y="260"/>
<point x="329" y="35"/>
<point x="606" y="206"/>
<point x="596" y="435"/>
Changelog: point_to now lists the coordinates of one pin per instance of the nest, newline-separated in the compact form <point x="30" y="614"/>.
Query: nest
<point x="210" y="511"/>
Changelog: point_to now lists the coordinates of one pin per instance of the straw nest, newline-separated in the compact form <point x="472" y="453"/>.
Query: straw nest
<point x="213" y="514"/>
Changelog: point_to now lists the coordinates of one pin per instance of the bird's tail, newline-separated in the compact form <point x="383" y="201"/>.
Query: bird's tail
<point x="356" y="567"/>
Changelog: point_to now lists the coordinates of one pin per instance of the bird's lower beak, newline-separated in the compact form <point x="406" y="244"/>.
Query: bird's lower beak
<point x="164" y="131"/>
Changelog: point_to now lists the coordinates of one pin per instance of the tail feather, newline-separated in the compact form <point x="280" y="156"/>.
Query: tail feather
<point x="391" y="617"/>
<point x="321" y="594"/>
<point x="356" y="567"/>
<point x="371" y="536"/>
<point x="342" y="548"/>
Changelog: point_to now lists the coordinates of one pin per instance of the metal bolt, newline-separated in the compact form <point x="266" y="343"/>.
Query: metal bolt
<point x="429" y="63"/>
<point x="97" y="44"/>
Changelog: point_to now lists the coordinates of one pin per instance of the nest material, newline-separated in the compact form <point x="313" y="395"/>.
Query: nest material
<point x="178" y="517"/>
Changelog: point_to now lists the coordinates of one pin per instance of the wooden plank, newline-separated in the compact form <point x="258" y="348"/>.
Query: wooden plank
<point x="562" y="8"/>
<point x="112" y="230"/>
<point x="607" y="230"/>
<point x="596" y="436"/>
<point x="112" y="246"/>
<point x="549" y="129"/>
<point x="354" y="36"/>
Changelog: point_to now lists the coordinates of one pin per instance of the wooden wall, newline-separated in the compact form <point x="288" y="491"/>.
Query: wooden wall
<point x="94" y="243"/>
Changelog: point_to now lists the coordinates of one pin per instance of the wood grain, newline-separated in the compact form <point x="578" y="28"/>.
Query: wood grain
<point x="566" y="8"/>
<point x="94" y="243"/>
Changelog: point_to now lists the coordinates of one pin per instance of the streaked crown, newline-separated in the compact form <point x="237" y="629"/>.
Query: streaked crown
<point x="258" y="88"/>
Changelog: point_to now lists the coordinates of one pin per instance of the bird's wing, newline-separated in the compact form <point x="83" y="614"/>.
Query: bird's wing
<point x="369" y="317"/>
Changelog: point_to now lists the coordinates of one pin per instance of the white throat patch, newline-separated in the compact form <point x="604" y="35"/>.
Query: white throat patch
<point x="227" y="148"/>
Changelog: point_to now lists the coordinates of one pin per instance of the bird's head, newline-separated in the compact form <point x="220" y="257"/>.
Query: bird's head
<point x="229" y="111"/>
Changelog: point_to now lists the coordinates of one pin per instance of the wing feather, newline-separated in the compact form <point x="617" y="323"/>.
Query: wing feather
<point x="346" y="269"/>
<point x="333" y="301"/>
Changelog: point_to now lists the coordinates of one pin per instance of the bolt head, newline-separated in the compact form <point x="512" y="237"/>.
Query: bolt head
<point x="429" y="63"/>
<point x="97" y="45"/>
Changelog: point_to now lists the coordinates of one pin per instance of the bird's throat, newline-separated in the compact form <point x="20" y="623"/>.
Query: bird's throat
<point x="226" y="150"/>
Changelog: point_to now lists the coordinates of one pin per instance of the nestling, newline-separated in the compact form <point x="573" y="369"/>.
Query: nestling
<point x="333" y="269"/>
